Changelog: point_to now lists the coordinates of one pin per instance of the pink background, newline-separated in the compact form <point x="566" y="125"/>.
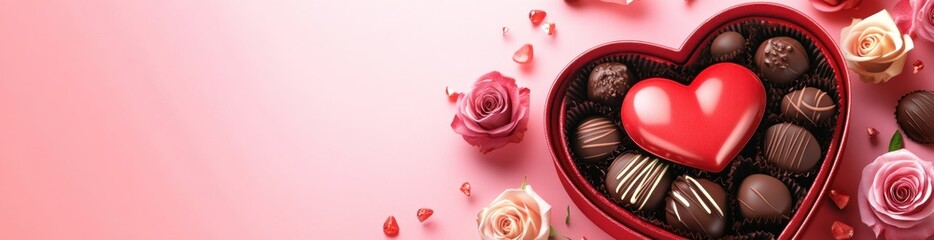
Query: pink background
<point x="257" y="119"/>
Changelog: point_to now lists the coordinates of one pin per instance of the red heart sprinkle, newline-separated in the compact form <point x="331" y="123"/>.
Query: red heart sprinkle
<point x="918" y="66"/>
<point x="390" y="227"/>
<point x="424" y="213"/>
<point x="537" y="16"/>
<point x="523" y="55"/>
<point x="839" y="198"/>
<point x="872" y="131"/>
<point x="465" y="188"/>
<point x="549" y="28"/>
<point x="841" y="231"/>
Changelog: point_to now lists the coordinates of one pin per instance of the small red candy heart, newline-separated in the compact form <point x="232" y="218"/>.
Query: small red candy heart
<point x="703" y="125"/>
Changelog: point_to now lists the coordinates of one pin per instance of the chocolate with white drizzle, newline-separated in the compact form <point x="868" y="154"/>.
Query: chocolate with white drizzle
<point x="763" y="196"/>
<point x="791" y="147"/>
<point x="638" y="181"/>
<point x="697" y="205"/>
<point x="597" y="137"/>
<point x="808" y="104"/>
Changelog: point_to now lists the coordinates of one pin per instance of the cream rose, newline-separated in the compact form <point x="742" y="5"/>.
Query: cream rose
<point x="515" y="214"/>
<point x="874" y="48"/>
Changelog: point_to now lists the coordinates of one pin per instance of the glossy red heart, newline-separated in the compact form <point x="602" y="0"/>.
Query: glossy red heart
<point x="703" y="125"/>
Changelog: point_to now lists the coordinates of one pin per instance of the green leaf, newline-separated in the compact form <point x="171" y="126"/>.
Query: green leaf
<point x="567" y="220"/>
<point x="897" y="142"/>
<point x="523" y="182"/>
<point x="552" y="233"/>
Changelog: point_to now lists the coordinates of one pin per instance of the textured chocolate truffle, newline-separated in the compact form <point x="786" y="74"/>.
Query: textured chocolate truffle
<point x="638" y="181"/>
<point x="597" y="137"/>
<point x="915" y="116"/>
<point x="763" y="196"/>
<point x="808" y="104"/>
<point x="727" y="43"/>
<point x="791" y="147"/>
<point x="697" y="205"/>
<point x="608" y="82"/>
<point x="782" y="59"/>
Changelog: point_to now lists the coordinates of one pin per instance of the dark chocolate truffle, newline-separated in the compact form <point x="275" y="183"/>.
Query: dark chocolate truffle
<point x="727" y="43"/>
<point x="782" y="59"/>
<point x="638" y="181"/>
<point x="791" y="147"/>
<point x="763" y="196"/>
<point x="697" y="205"/>
<point x="597" y="137"/>
<point x="608" y="83"/>
<point x="808" y="104"/>
<point x="915" y="116"/>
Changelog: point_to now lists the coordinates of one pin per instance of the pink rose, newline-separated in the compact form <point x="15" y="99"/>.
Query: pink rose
<point x="834" y="5"/>
<point x="495" y="112"/>
<point x="894" y="196"/>
<point x="515" y="214"/>
<point x="916" y="17"/>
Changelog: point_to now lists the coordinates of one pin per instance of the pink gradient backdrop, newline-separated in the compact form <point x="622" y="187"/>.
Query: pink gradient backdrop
<point x="257" y="119"/>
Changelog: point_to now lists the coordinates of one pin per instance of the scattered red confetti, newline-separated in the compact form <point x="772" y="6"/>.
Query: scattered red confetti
<point x="537" y="16"/>
<point x="424" y="213"/>
<point x="505" y="30"/>
<point x="523" y="55"/>
<point x="918" y="66"/>
<point x="465" y="188"/>
<point x="841" y="231"/>
<point x="549" y="28"/>
<point x="839" y="198"/>
<point x="872" y="131"/>
<point x="390" y="227"/>
<point x="452" y="95"/>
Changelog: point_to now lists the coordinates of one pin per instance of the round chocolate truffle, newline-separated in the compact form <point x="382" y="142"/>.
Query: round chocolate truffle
<point x="791" y="147"/>
<point x="915" y="116"/>
<point x="608" y="82"/>
<point x="727" y="43"/>
<point x="597" y="137"/>
<point x="808" y="104"/>
<point x="638" y="181"/>
<point x="763" y="196"/>
<point x="697" y="205"/>
<point x="782" y="59"/>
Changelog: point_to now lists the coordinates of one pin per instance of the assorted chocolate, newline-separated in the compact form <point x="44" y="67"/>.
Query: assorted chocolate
<point x="726" y="44"/>
<point x="697" y="205"/>
<point x="808" y="105"/>
<point x="608" y="83"/>
<point x="597" y="137"/>
<point x="782" y="60"/>
<point x="763" y="196"/>
<point x="762" y="187"/>
<point x="638" y="181"/>
<point x="915" y="116"/>
<point x="791" y="147"/>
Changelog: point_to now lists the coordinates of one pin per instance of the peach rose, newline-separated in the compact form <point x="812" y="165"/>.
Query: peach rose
<point x="895" y="196"/>
<point x="874" y="48"/>
<point x="515" y="214"/>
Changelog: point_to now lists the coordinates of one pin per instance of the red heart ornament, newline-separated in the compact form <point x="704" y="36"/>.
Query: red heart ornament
<point x="702" y="125"/>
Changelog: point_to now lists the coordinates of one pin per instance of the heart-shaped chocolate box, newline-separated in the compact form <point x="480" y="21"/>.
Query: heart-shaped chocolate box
<point x="567" y="105"/>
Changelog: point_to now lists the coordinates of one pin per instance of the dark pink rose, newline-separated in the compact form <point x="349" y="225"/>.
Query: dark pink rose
<point x="834" y="5"/>
<point x="894" y="196"/>
<point x="915" y="17"/>
<point x="495" y="112"/>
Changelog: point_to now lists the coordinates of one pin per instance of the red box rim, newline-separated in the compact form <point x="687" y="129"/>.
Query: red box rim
<point x="587" y="198"/>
